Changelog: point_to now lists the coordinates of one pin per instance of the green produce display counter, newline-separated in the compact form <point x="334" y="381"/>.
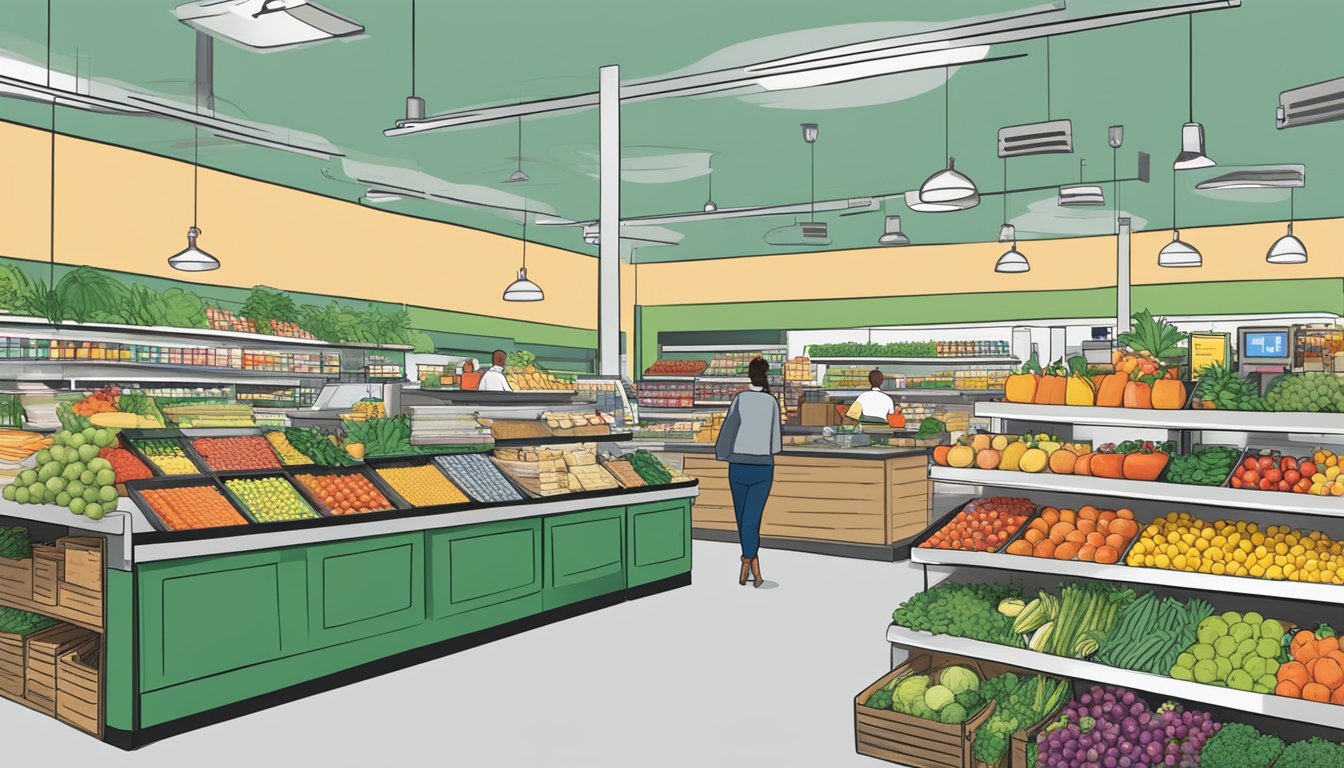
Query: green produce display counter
<point x="202" y="629"/>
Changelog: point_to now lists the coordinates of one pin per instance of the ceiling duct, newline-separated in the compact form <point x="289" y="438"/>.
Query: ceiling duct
<point x="807" y="233"/>
<point x="1311" y="104"/>
<point x="1259" y="177"/>
<point x="1048" y="138"/>
<point x="266" y="24"/>
<point x="1080" y="195"/>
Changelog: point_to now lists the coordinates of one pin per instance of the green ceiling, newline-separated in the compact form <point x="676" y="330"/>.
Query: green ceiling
<point x="876" y="138"/>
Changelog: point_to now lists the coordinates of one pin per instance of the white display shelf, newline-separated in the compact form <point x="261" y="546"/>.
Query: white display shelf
<point x="712" y="403"/>
<point x="915" y="393"/>
<point x="723" y="379"/>
<point x="1211" y="420"/>
<point x="953" y="361"/>
<point x="1300" y="710"/>
<point x="1200" y="582"/>
<point x="1272" y="501"/>
<point x="116" y="370"/>
<point x="38" y="327"/>
<point x="694" y="348"/>
<point x="668" y="378"/>
<point x="112" y="525"/>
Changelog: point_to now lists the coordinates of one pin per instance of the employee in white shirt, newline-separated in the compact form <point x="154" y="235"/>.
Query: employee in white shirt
<point x="494" y="380"/>
<point x="873" y="405"/>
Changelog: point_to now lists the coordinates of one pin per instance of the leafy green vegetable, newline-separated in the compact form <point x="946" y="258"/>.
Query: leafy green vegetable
<point x="1206" y="466"/>
<point x="1312" y="753"/>
<point x="1021" y="703"/>
<point x="316" y="445"/>
<point x="911" y="690"/>
<point x="17" y="622"/>
<point x="959" y="679"/>
<point x="963" y="610"/>
<point x="19" y="294"/>
<point x="930" y="428"/>
<point x="895" y="349"/>
<point x="15" y="543"/>
<point x="85" y="295"/>
<point x="650" y="467"/>
<point x="266" y="304"/>
<point x="1237" y="745"/>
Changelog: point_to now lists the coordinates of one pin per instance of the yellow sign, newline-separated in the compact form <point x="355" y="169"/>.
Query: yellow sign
<point x="1207" y="349"/>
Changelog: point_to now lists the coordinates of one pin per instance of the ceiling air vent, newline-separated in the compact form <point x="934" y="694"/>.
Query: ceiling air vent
<point x="802" y="234"/>
<point x="1053" y="137"/>
<point x="1310" y="104"/>
<point x="1260" y="177"/>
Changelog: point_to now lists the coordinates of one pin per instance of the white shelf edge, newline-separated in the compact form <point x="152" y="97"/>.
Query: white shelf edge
<point x="667" y="378"/>
<point x="1204" y="582"/>
<point x="1211" y="420"/>
<point x="72" y="329"/>
<point x="988" y="360"/>
<point x="112" y="525"/>
<point x="690" y="348"/>
<point x="1243" y="701"/>
<point x="1270" y="501"/>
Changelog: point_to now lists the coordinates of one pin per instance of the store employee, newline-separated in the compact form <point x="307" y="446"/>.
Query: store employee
<point x="873" y="405"/>
<point x="494" y="379"/>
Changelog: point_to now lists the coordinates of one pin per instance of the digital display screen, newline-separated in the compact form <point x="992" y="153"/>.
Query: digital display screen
<point x="1266" y="345"/>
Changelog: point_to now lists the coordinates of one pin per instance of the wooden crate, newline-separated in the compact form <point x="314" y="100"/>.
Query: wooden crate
<point x="83" y="561"/>
<point x="48" y="570"/>
<point x="914" y="741"/>
<point x="1017" y="750"/>
<point x="84" y="604"/>
<point x="77" y="690"/>
<point x="13" y="664"/>
<point x="16" y="578"/>
<point x="43" y="649"/>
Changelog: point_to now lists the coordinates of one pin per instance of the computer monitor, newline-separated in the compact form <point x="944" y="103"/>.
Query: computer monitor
<point x="1265" y="345"/>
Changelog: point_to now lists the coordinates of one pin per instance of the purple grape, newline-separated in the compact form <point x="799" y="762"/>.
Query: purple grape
<point x="1154" y="749"/>
<point x="1171" y="760"/>
<point x="1125" y="762"/>
<point x="1128" y="698"/>
<point x="1109" y="761"/>
<point x="1136" y="708"/>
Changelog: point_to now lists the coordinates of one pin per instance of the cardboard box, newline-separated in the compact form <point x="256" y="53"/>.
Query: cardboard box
<point x="818" y="415"/>
<point x="83" y="561"/>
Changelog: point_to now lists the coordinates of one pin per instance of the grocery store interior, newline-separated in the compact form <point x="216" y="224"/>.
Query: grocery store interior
<point x="944" y="385"/>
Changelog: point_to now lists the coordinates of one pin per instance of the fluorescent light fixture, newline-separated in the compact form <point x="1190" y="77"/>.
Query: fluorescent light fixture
<point x="1012" y="262"/>
<point x="807" y="233"/>
<point x="1261" y="177"/>
<point x="1287" y="250"/>
<point x="192" y="258"/>
<point x="913" y="202"/>
<point x="947" y="186"/>
<point x="1192" y="154"/>
<point x="1076" y="195"/>
<point x="523" y="289"/>
<point x="266" y="24"/>
<point x="1179" y="253"/>
<point x="1311" y="104"/>
<point x="860" y="70"/>
<point x="891" y="232"/>
<point x="382" y="196"/>
<point x="590" y="234"/>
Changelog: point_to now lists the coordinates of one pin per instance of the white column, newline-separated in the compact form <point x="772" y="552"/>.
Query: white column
<point x="609" y="222"/>
<point x="1122" y="310"/>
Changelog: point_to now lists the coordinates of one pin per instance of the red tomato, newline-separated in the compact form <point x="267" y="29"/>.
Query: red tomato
<point x="1307" y="468"/>
<point x="1250" y="477"/>
<point x="1250" y="463"/>
<point x="1266" y="462"/>
<point x="1265" y="485"/>
<point x="1284" y="486"/>
<point x="1236" y="482"/>
<point x="1292" y="476"/>
<point x="1273" y="474"/>
<point x="1287" y="463"/>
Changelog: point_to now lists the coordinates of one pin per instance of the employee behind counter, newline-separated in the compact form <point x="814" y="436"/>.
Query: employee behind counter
<point x="494" y="380"/>
<point x="873" y="405"/>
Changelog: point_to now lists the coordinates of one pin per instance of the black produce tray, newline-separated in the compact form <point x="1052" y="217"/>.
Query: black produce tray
<point x="247" y="513"/>
<point x="189" y="444"/>
<point x="1162" y="478"/>
<point x="134" y="488"/>
<point x="419" y="461"/>
<point x="201" y="469"/>
<point x="945" y="519"/>
<point x="392" y="497"/>
<point x="495" y="468"/>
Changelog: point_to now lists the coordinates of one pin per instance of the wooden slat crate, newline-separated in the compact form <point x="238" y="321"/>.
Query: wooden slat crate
<point x="16" y="578"/>
<point x="83" y="561"/>
<point x="77" y="687"/>
<point x="914" y="741"/>
<point x="86" y="604"/>
<point x="13" y="664"/>
<point x="48" y="570"/>
<point x="43" y="649"/>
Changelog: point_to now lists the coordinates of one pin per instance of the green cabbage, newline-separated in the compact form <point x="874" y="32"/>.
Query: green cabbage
<point x="953" y="713"/>
<point x="86" y="294"/>
<point x="959" y="679"/>
<point x="937" y="697"/>
<point x="911" y="690"/>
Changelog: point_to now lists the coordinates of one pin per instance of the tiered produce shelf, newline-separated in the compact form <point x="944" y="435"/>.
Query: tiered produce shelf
<point x="945" y="360"/>
<point x="1193" y="420"/>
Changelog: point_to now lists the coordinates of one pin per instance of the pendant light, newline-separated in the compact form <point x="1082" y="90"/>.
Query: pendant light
<point x="1012" y="261"/>
<point x="518" y="175"/>
<point x="193" y="258"/>
<point x="1288" y="249"/>
<point x="1178" y="253"/>
<point x="949" y="186"/>
<point x="523" y="289"/>
<point x="415" y="106"/>
<point x="1192" y="134"/>
<point x="891" y="232"/>
<point x="801" y="234"/>
<point x="710" y="207"/>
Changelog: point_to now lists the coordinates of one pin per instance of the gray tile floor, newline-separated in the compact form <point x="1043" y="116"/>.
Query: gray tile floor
<point x="710" y="675"/>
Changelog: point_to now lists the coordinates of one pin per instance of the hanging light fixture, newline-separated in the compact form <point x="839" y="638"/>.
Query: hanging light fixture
<point x="518" y="175"/>
<point x="949" y="186"/>
<point x="1012" y="261"/>
<point x="892" y="234"/>
<point x="810" y="232"/>
<point x="1178" y="253"/>
<point x="1192" y="153"/>
<point x="710" y="207"/>
<point x="1080" y="194"/>
<point x="193" y="258"/>
<point x="523" y="289"/>
<point x="1288" y="249"/>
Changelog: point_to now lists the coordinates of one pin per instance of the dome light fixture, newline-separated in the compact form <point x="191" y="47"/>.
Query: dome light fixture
<point x="949" y="186"/>
<point x="518" y="175"/>
<point x="1193" y="154"/>
<point x="1288" y="249"/>
<point x="892" y="234"/>
<point x="1178" y="253"/>
<point x="1012" y="261"/>
<point x="523" y="289"/>
<point x="192" y="258"/>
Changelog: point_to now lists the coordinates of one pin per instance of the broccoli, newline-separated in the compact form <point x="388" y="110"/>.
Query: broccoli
<point x="1237" y="745"/>
<point x="881" y="699"/>
<point x="953" y="713"/>
<point x="970" y="700"/>
<point x="1312" y="753"/>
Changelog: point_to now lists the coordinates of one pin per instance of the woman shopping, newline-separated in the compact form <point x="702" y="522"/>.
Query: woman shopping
<point x="749" y="441"/>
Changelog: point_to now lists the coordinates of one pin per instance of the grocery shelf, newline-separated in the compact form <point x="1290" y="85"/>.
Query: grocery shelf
<point x="667" y="378"/>
<point x="50" y="611"/>
<point x="114" y="370"/>
<point x="1213" y="420"/>
<point x="916" y="360"/>
<point x="916" y="392"/>
<point x="1245" y="701"/>
<point x="723" y="379"/>
<point x="692" y="348"/>
<point x="613" y="437"/>
<point x="1294" y="503"/>
<point x="111" y="525"/>
<point x="666" y="413"/>
<point x="711" y="403"/>
<point x="40" y="327"/>
<point x="1202" y="582"/>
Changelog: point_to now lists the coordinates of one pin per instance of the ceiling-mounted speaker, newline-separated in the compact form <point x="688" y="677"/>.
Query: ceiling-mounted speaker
<point x="1145" y="167"/>
<point x="1049" y="138"/>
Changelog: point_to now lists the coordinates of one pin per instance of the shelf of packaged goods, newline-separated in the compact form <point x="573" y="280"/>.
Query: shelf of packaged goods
<point x="1211" y="420"/>
<point x="1201" y="582"/>
<point x="613" y="437"/>
<point x="250" y="538"/>
<point x="684" y="349"/>
<point x="916" y="393"/>
<point x="667" y="378"/>
<point x="947" y="361"/>
<point x="712" y="403"/>
<point x="111" y="524"/>
<point x="36" y="327"/>
<point x="668" y="413"/>
<point x="113" y="370"/>
<point x="1197" y="495"/>
<point x="1243" y="701"/>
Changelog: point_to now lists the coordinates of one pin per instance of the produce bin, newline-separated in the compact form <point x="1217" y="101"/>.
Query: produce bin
<point x="44" y="648"/>
<point x="16" y="578"/>
<point x="48" y="571"/>
<point x="83" y="561"/>
<point x="943" y="521"/>
<point x="13" y="664"/>
<point x="914" y="741"/>
<point x="133" y="446"/>
<point x="398" y="504"/>
<point x="1226" y="483"/>
<point x="179" y="481"/>
<point x="418" y="462"/>
<point x="264" y="475"/>
<point x="77" y="687"/>
<point x="1017" y="750"/>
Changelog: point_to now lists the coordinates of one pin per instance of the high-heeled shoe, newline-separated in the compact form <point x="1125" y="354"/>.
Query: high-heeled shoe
<point x="746" y="571"/>
<point x="756" y="580"/>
